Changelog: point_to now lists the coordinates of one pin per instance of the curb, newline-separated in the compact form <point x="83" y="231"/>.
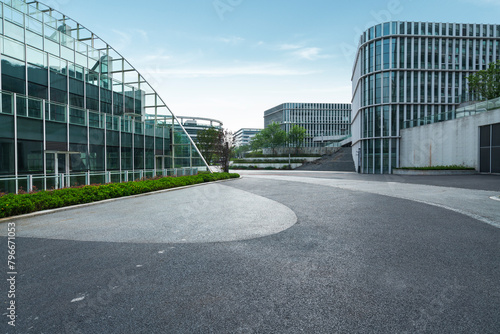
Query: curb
<point x="46" y="212"/>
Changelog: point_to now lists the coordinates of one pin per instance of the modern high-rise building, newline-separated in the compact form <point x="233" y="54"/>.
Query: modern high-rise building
<point x="326" y="123"/>
<point x="74" y="111"/>
<point x="244" y="136"/>
<point x="409" y="74"/>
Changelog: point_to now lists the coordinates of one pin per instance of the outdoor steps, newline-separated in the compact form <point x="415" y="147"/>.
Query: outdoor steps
<point x="340" y="161"/>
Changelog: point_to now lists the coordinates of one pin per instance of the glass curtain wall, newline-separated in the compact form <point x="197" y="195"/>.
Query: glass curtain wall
<point x="411" y="74"/>
<point x="69" y="96"/>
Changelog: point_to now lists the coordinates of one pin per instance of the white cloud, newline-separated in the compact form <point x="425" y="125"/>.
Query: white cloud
<point x="125" y="38"/>
<point x="289" y="46"/>
<point x="231" y="71"/>
<point x="230" y="40"/>
<point x="312" y="53"/>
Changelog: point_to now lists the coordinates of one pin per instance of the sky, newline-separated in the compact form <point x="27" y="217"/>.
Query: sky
<point x="233" y="59"/>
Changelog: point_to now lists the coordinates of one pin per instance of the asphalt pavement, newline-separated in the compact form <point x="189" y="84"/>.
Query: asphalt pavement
<point x="330" y="254"/>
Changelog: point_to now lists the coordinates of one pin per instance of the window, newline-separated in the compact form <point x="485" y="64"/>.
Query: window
<point x="386" y="29"/>
<point x="378" y="47"/>
<point x="394" y="52"/>
<point x="378" y="87"/>
<point x="386" y="88"/>
<point x="386" y="53"/>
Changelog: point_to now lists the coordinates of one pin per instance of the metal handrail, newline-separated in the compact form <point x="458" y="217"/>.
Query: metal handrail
<point x="62" y="180"/>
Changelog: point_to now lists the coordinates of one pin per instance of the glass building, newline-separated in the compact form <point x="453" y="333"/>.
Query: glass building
<point x="74" y="111"/>
<point x="324" y="122"/>
<point x="194" y="124"/>
<point x="409" y="74"/>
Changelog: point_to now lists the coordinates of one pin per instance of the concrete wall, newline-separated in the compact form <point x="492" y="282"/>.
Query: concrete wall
<point x="453" y="142"/>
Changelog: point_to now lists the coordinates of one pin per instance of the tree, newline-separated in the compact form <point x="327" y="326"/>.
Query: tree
<point x="273" y="136"/>
<point x="216" y="146"/>
<point x="296" y="137"/>
<point x="207" y="143"/>
<point x="485" y="84"/>
<point x="241" y="150"/>
<point x="224" y="148"/>
<point x="257" y="142"/>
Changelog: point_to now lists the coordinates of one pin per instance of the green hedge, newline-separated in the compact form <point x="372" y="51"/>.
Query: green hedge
<point x="285" y="167"/>
<point x="12" y="204"/>
<point x="270" y="161"/>
<point x="450" y="167"/>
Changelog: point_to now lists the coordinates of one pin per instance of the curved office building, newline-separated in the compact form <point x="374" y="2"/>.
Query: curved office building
<point x="74" y="111"/>
<point x="409" y="74"/>
<point x="194" y="124"/>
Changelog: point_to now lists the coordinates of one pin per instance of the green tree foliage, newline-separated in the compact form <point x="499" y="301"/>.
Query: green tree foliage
<point x="216" y="146"/>
<point x="207" y="140"/>
<point x="241" y="150"/>
<point x="485" y="84"/>
<point x="257" y="142"/>
<point x="273" y="137"/>
<point x="296" y="137"/>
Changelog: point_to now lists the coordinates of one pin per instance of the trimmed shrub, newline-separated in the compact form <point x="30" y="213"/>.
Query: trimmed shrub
<point x="12" y="204"/>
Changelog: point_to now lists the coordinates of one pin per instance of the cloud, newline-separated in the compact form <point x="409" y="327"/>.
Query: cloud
<point x="230" y="40"/>
<point x="125" y="38"/>
<point x="312" y="53"/>
<point x="289" y="46"/>
<point x="231" y="71"/>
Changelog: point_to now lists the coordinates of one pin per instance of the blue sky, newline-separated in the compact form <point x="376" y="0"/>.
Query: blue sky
<point x="233" y="59"/>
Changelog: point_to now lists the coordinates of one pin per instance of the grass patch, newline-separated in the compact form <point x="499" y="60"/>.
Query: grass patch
<point x="450" y="167"/>
<point x="12" y="204"/>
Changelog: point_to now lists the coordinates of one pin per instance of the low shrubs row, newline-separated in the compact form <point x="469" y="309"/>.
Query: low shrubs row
<point x="12" y="204"/>
<point x="285" y="167"/>
<point x="270" y="161"/>
<point x="449" y="167"/>
<point x="261" y="155"/>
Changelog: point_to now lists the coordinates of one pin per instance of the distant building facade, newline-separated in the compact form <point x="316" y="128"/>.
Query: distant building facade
<point x="244" y="136"/>
<point x="326" y="123"/>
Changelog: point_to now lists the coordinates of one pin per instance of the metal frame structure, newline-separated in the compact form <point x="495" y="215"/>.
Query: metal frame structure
<point x="79" y="48"/>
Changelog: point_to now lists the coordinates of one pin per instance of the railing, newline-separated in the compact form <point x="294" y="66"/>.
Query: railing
<point x="479" y="107"/>
<point x="29" y="183"/>
<point x="465" y="111"/>
<point x="441" y="117"/>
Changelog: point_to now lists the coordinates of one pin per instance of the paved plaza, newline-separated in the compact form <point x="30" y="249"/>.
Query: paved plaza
<point x="272" y="252"/>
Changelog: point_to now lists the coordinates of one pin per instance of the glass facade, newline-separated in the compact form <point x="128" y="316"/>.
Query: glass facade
<point x="410" y="74"/>
<point x="324" y="122"/>
<point x="71" y="104"/>
<point x="194" y="124"/>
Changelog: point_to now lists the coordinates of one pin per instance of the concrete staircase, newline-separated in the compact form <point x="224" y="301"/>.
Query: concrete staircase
<point x="340" y="161"/>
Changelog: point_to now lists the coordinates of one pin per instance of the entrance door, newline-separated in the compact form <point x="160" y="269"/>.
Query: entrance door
<point x="159" y="163"/>
<point x="57" y="163"/>
<point x="489" y="148"/>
